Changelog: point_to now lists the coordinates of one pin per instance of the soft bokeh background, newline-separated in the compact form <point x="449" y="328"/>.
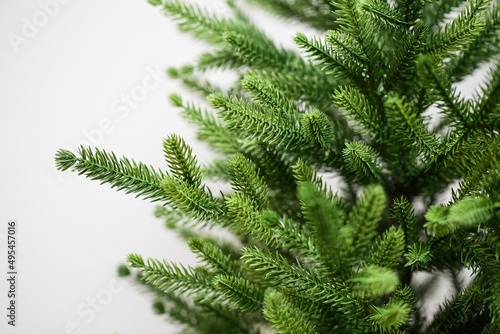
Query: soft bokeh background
<point x="86" y="72"/>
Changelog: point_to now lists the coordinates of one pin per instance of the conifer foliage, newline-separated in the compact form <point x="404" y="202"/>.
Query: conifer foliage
<point x="353" y="101"/>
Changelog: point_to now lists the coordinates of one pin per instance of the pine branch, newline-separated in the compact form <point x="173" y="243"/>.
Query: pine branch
<point x="373" y="281"/>
<point x="481" y="50"/>
<point x="454" y="107"/>
<point x="181" y="161"/>
<point x="283" y="317"/>
<point x="246" y="180"/>
<point x="361" y="159"/>
<point x="215" y="258"/>
<point x="410" y="128"/>
<point x="242" y="115"/>
<point x="360" y="110"/>
<point x="199" y="22"/>
<point x="404" y="216"/>
<point x="386" y="16"/>
<point x="240" y="292"/>
<point x="389" y="317"/>
<point x="193" y="201"/>
<point x="363" y="221"/>
<point x="388" y="248"/>
<point x="123" y="174"/>
<point x="343" y="68"/>
<point x="460" y="31"/>
<point x="325" y="219"/>
<point x="209" y="129"/>
<point x="316" y="13"/>
<point x="170" y="277"/>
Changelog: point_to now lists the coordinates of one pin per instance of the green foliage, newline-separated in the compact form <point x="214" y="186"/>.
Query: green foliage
<point x="361" y="159"/>
<point x="246" y="296"/>
<point x="373" y="281"/>
<point x="283" y="317"/>
<point x="123" y="174"/>
<point x="388" y="317"/>
<point x="337" y="168"/>
<point x="181" y="161"/>
<point x="245" y="179"/>
<point x="388" y="248"/>
<point x="465" y="213"/>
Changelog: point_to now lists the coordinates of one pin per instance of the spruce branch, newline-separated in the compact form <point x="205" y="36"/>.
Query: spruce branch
<point x="454" y="107"/>
<point x="303" y="172"/>
<point x="316" y="129"/>
<point x="418" y="256"/>
<point x="198" y="21"/>
<point x="283" y="317"/>
<point x="343" y="43"/>
<point x="410" y="128"/>
<point x="246" y="180"/>
<point x="169" y="277"/>
<point x="389" y="317"/>
<point x="192" y="80"/>
<point x="434" y="11"/>
<point x="360" y="109"/>
<point x="123" y="174"/>
<point x="299" y="279"/>
<point x="404" y="216"/>
<point x="481" y="50"/>
<point x="342" y="67"/>
<point x="466" y="213"/>
<point x="460" y="31"/>
<point x="214" y="257"/>
<point x="209" y="128"/>
<point x="373" y="281"/>
<point x="269" y="97"/>
<point x="198" y="203"/>
<point x="315" y="261"/>
<point x="487" y="110"/>
<point x="363" y="220"/>
<point x="385" y="15"/>
<point x="181" y="161"/>
<point x="220" y="59"/>
<point x="316" y="13"/>
<point x="240" y="292"/>
<point x="388" y="248"/>
<point x="261" y="53"/>
<point x="361" y="159"/>
<point x="242" y="115"/>
<point x="326" y="219"/>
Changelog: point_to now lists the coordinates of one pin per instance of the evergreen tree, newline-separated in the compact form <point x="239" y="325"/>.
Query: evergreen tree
<point x="355" y="104"/>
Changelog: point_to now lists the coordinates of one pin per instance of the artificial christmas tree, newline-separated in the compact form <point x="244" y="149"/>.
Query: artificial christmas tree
<point x="357" y="105"/>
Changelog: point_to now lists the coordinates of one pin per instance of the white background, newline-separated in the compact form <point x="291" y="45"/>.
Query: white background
<point x="62" y="77"/>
